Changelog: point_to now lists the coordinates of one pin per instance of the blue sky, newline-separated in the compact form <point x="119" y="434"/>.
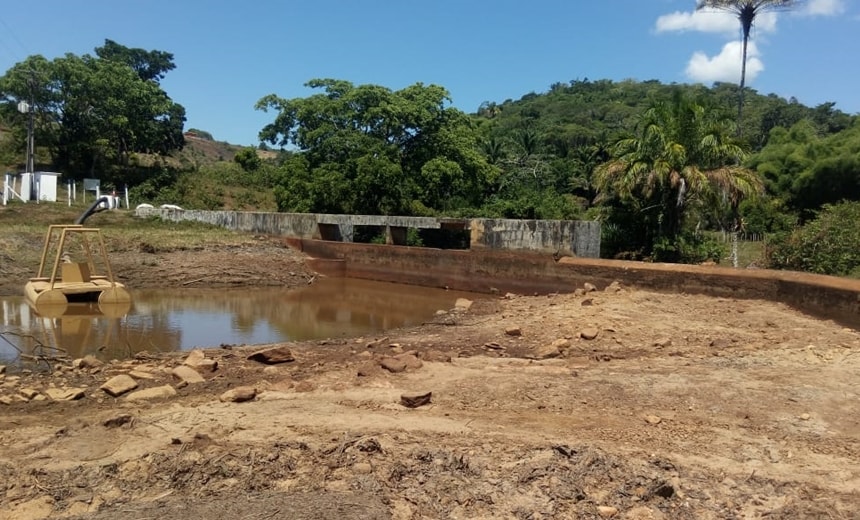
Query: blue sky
<point x="229" y="54"/>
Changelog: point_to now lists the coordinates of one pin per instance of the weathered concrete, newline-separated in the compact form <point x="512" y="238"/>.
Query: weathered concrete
<point x="560" y="237"/>
<point x="489" y="270"/>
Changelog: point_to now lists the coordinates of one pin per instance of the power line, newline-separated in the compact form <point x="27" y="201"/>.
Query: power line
<point x="15" y="54"/>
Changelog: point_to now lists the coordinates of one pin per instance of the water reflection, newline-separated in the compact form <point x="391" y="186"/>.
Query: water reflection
<point x="162" y="320"/>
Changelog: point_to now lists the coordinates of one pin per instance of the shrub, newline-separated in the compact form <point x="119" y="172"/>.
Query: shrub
<point x="828" y="244"/>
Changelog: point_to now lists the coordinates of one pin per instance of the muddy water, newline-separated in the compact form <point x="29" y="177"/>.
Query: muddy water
<point x="167" y="320"/>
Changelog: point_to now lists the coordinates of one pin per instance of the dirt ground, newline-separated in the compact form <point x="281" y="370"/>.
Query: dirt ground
<point x="616" y="403"/>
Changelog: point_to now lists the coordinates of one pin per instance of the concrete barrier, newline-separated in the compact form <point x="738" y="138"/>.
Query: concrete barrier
<point x="559" y="237"/>
<point x="490" y="270"/>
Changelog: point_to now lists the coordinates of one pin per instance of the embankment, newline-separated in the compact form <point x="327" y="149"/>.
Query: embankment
<point x="489" y="270"/>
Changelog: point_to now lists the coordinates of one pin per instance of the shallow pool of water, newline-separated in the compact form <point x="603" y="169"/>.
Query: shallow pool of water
<point x="167" y="320"/>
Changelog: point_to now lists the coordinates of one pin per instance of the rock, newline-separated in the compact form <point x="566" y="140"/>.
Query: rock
<point x="607" y="511"/>
<point x="410" y="360"/>
<point x="614" y="287"/>
<point x="514" y="331"/>
<point x="65" y="394"/>
<point x="239" y="394"/>
<point x="589" y="333"/>
<point x="493" y="346"/>
<point x="547" y="352"/>
<point x="28" y="393"/>
<point x="378" y="343"/>
<point x="5" y="399"/>
<point x="653" y="419"/>
<point x="720" y="343"/>
<point x="392" y="364"/>
<point x="117" y="421"/>
<point x="273" y="356"/>
<point x="118" y="385"/>
<point x="663" y="342"/>
<point x="440" y="312"/>
<point x="804" y="417"/>
<point x="415" y="400"/>
<point x="510" y="296"/>
<point x="579" y="291"/>
<point x="587" y="302"/>
<point x="368" y="369"/>
<point x="197" y="359"/>
<point x="140" y="374"/>
<point x="88" y="361"/>
<point x="187" y="375"/>
<point x="644" y="513"/>
<point x="561" y="343"/>
<point x="158" y="392"/>
<point x="365" y="354"/>
<point x="463" y="304"/>
<point x="305" y="386"/>
<point x="589" y="287"/>
<point x="363" y="468"/>
<point x="2" y="369"/>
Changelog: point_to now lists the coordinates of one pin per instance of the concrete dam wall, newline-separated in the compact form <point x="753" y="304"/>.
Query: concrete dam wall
<point x="559" y="237"/>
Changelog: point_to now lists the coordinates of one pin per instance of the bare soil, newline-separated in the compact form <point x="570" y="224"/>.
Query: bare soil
<point x="679" y="406"/>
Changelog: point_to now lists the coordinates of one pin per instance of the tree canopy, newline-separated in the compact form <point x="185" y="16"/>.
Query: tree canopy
<point x="92" y="112"/>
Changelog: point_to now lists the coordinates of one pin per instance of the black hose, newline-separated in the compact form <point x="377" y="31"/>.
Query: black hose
<point x="92" y="209"/>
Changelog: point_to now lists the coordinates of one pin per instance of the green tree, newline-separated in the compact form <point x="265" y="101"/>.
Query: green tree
<point x="93" y="112"/>
<point x="368" y="149"/>
<point x="747" y="11"/>
<point x="681" y="154"/>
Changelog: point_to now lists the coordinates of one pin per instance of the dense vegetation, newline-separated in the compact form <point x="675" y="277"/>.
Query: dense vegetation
<point x="662" y="166"/>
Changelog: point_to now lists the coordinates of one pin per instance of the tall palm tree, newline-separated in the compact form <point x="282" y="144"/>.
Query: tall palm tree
<point x="746" y="11"/>
<point x="681" y="153"/>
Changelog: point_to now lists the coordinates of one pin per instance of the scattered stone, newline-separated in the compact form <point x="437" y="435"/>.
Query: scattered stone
<point x="589" y="287"/>
<point x="614" y="287"/>
<point x="40" y="397"/>
<point x="140" y="374"/>
<point x="273" y="356"/>
<point x="368" y="369"/>
<point x="561" y="343"/>
<point x="410" y="360"/>
<point x="579" y="291"/>
<point x="493" y="346"/>
<point x="804" y="417"/>
<point x="187" y="375"/>
<point x="607" y="511"/>
<point x="589" y="333"/>
<point x="158" y="392"/>
<point x="663" y="342"/>
<point x="653" y="419"/>
<point x="28" y="393"/>
<point x="587" y="302"/>
<point x="378" y="342"/>
<point x="88" y="361"/>
<point x="547" y="352"/>
<point x="720" y="343"/>
<point x="415" y="400"/>
<point x="644" y="513"/>
<point x="510" y="296"/>
<point x="119" y="420"/>
<point x="197" y="359"/>
<point x="440" y="312"/>
<point x="118" y="385"/>
<point x="463" y="304"/>
<point x="396" y="348"/>
<point x="239" y="394"/>
<point x="392" y="364"/>
<point x="65" y="394"/>
<point x="514" y="331"/>
<point x="5" y="399"/>
<point x="363" y="468"/>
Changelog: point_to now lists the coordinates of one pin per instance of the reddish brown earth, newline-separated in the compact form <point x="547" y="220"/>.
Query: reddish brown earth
<point x="678" y="407"/>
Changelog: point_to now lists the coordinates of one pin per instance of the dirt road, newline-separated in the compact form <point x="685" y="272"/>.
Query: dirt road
<point x="617" y="403"/>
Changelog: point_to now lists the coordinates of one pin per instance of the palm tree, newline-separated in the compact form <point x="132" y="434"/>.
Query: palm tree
<point x="681" y="153"/>
<point x="746" y="11"/>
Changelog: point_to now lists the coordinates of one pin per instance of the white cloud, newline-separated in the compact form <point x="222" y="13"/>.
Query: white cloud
<point x="822" y="8"/>
<point x="725" y="66"/>
<point x="716" y="21"/>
